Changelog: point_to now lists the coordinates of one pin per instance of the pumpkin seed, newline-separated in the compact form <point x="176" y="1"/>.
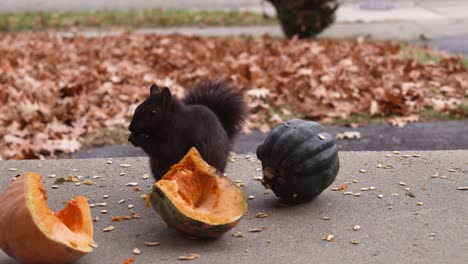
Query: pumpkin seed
<point x="88" y="182"/>
<point x="130" y="206"/>
<point x="96" y="177"/>
<point x="356" y="227"/>
<point x="122" y="174"/>
<point x="419" y="203"/>
<point x="406" y="156"/>
<point x="394" y="194"/>
<point x="396" y="152"/>
<point x="55" y="186"/>
<point x="92" y="205"/>
<point x="191" y="256"/>
<point x="402" y="183"/>
<point x="121" y="201"/>
<point x="12" y="169"/>
<point x="152" y="244"/>
<point x="416" y="155"/>
<point x="356" y="194"/>
<point x="145" y="176"/>
<point x="372" y="188"/>
<point x="356" y="181"/>
<point x="109" y="162"/>
<point x="96" y="219"/>
<point x="258" y="169"/>
<point x="108" y="229"/>
<point x="132" y="184"/>
<point x="101" y="204"/>
<point x="364" y="189"/>
<point x="255" y="230"/>
<point x="322" y="137"/>
<point x="443" y="177"/>
<point x="261" y="215"/>
<point x="93" y="245"/>
<point x="362" y="171"/>
<point x="355" y="241"/>
<point x="250" y="197"/>
<point x="463" y="188"/>
<point x="380" y="196"/>
<point x="452" y="170"/>
<point x="75" y="170"/>
<point x="136" y="251"/>
<point x="125" y="165"/>
<point x="52" y="175"/>
<point x="237" y="234"/>
<point x="329" y="238"/>
<point x="105" y="196"/>
<point x="326" y="218"/>
<point x="103" y="211"/>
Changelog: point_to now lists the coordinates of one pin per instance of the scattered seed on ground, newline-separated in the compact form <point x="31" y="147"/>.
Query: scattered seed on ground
<point x="322" y="137"/>
<point x="77" y="183"/>
<point x="372" y="188"/>
<point x="96" y="177"/>
<point x="258" y="169"/>
<point x="347" y="193"/>
<point x="463" y="188"/>
<point x="402" y="183"/>
<point x="108" y="229"/>
<point x="191" y="256"/>
<point x="152" y="243"/>
<point x="355" y="241"/>
<point x="329" y="238"/>
<point x="55" y="186"/>
<point x="419" y="203"/>
<point x="96" y="219"/>
<point x="130" y="206"/>
<point x="136" y="251"/>
<point x="365" y="189"/>
<point x="380" y="196"/>
<point x="145" y="176"/>
<point x="101" y="204"/>
<point x="109" y="162"/>
<point x="443" y="177"/>
<point x="362" y="171"/>
<point x="394" y="194"/>
<point x="326" y="218"/>
<point x="132" y="184"/>
<point x="334" y="189"/>
<point x="237" y="234"/>
<point x="452" y="170"/>
<point x="92" y="205"/>
<point x="261" y="215"/>
<point x="12" y="169"/>
<point x="88" y="182"/>
<point x="250" y="197"/>
<point x="356" y="227"/>
<point x="105" y="196"/>
<point x="356" y="181"/>
<point x="356" y="194"/>
<point x="125" y="165"/>
<point x="103" y="211"/>
<point x="121" y="201"/>
<point x="255" y="230"/>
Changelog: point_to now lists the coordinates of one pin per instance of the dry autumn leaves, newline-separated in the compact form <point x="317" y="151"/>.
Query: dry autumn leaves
<point x="54" y="91"/>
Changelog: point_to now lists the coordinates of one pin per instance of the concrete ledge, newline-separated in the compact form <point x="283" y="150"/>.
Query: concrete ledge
<point x="394" y="229"/>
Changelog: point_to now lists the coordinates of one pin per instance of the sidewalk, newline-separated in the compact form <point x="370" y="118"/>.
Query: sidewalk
<point x="394" y="229"/>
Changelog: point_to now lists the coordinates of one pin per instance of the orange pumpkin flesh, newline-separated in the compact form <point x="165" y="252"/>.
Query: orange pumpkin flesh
<point x="31" y="233"/>
<point x="195" y="199"/>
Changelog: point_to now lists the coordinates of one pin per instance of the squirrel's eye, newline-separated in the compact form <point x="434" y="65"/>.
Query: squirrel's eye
<point x="154" y="112"/>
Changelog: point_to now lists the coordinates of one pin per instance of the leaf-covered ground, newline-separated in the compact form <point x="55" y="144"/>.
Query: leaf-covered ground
<point x="56" y="91"/>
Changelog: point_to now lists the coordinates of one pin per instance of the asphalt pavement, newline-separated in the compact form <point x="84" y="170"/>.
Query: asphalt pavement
<point x="418" y="218"/>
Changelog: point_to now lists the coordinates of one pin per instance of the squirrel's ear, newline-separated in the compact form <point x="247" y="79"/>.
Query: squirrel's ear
<point x="154" y="90"/>
<point x="165" y="96"/>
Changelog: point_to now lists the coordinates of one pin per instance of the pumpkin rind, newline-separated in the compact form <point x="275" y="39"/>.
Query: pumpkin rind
<point x="175" y="217"/>
<point x="27" y="236"/>
<point x="299" y="160"/>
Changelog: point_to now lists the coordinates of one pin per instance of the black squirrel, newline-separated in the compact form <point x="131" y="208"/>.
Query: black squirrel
<point x="208" y="118"/>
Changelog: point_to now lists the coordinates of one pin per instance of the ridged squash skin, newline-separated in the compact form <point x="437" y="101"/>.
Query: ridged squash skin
<point x="299" y="160"/>
<point x="196" y="223"/>
<point x="22" y="234"/>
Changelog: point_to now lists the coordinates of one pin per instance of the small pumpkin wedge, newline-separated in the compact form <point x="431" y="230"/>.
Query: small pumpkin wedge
<point x="31" y="233"/>
<point x="196" y="199"/>
<point x="299" y="160"/>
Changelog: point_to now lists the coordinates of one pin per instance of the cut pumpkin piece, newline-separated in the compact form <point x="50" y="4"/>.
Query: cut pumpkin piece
<point x="196" y="199"/>
<point x="31" y="233"/>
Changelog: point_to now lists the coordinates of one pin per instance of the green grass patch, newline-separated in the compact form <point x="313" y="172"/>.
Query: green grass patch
<point x="128" y="18"/>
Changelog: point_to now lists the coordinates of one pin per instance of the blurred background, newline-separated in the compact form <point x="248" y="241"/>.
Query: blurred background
<point x="380" y="75"/>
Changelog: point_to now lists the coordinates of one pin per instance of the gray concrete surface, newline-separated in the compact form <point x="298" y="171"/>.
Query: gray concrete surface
<point x="394" y="229"/>
<point x="449" y="135"/>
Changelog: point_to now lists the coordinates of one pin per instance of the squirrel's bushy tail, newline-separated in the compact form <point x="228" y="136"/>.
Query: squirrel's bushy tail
<point x="221" y="98"/>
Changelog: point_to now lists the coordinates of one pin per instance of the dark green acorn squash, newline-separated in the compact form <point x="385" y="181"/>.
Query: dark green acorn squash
<point x="299" y="160"/>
